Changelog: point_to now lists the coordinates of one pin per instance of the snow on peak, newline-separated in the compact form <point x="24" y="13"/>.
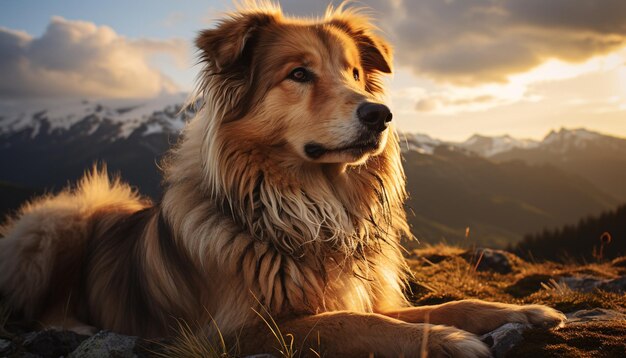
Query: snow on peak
<point x="566" y="139"/>
<point x="161" y="112"/>
<point x="421" y="143"/>
<point x="490" y="146"/>
<point x="564" y="134"/>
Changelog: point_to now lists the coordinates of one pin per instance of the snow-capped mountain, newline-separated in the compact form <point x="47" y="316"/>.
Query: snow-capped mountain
<point x="490" y="146"/>
<point x="561" y="141"/>
<point x="421" y="143"/>
<point x="47" y="144"/>
<point x="599" y="158"/>
<point x="568" y="139"/>
<point x="568" y="142"/>
<point x="85" y="117"/>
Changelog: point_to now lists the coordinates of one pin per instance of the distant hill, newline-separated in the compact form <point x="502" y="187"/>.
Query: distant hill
<point x="601" y="159"/>
<point x="581" y="241"/>
<point x="50" y="147"/>
<point x="500" y="202"/>
<point x="500" y="187"/>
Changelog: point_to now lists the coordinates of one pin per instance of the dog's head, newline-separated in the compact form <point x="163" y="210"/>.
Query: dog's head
<point x="309" y="90"/>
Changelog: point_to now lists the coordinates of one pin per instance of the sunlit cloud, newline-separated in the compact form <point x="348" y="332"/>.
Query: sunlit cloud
<point x="452" y="99"/>
<point x="621" y="78"/>
<point x="78" y="58"/>
<point x="472" y="42"/>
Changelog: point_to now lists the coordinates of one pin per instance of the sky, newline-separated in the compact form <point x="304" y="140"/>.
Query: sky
<point x="518" y="67"/>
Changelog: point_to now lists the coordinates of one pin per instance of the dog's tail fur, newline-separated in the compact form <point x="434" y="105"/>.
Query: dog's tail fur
<point x="42" y="245"/>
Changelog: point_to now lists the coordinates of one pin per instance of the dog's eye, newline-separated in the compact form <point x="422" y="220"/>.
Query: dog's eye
<point x="355" y="74"/>
<point x="300" y="74"/>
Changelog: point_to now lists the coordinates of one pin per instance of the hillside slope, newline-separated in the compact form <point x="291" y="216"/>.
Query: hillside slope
<point x="581" y="242"/>
<point x="450" y="191"/>
<point x="50" y="145"/>
<point x="601" y="159"/>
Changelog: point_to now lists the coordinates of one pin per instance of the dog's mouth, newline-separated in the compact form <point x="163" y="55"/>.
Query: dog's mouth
<point x="315" y="150"/>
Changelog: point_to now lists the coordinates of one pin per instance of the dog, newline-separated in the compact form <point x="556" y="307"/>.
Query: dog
<point x="284" y="195"/>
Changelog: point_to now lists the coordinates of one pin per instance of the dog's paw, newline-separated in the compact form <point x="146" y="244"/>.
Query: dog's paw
<point x="543" y="316"/>
<point x="444" y="341"/>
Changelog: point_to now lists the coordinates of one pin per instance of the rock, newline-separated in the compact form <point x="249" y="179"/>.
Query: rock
<point x="590" y="283"/>
<point x="490" y="260"/>
<point x="504" y="338"/>
<point x="5" y="347"/>
<point x="106" y="344"/>
<point x="617" y="285"/>
<point x="51" y="343"/>
<point x="581" y="283"/>
<point x="594" y="315"/>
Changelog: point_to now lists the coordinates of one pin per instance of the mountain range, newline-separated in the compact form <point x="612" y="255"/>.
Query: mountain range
<point x="499" y="187"/>
<point x="51" y="146"/>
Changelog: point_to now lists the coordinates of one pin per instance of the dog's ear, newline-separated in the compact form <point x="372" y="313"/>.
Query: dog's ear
<point x="376" y="54"/>
<point x="226" y="45"/>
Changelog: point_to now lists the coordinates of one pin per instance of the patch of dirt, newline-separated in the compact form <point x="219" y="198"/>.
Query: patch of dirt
<point x="527" y="285"/>
<point x="592" y="339"/>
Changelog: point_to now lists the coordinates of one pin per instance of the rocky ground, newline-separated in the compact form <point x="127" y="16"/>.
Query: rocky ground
<point x="592" y="296"/>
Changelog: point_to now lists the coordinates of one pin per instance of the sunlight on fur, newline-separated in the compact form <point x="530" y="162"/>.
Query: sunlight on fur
<point x="283" y="198"/>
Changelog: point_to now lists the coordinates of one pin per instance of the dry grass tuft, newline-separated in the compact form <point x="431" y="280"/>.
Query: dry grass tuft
<point x="191" y="342"/>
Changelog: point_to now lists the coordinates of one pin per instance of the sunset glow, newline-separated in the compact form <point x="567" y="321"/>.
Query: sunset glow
<point x="461" y="67"/>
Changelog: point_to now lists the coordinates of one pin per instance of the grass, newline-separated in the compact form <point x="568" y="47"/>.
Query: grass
<point x="285" y="341"/>
<point x="443" y="273"/>
<point x="594" y="339"/>
<point x="188" y="343"/>
<point x="450" y="276"/>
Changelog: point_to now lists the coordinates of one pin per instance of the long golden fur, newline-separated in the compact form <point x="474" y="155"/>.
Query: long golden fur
<point x="276" y="195"/>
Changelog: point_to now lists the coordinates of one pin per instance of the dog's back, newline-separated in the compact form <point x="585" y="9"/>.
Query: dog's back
<point x="43" y="247"/>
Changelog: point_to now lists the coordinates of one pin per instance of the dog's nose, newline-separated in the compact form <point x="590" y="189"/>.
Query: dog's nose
<point x="375" y="116"/>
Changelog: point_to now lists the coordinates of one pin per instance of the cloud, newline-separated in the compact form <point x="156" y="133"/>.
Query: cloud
<point x="450" y="103"/>
<point x="472" y="42"/>
<point x="77" y="58"/>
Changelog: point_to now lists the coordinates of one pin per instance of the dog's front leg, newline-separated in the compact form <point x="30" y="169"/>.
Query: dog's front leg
<point x="350" y="334"/>
<point x="478" y="316"/>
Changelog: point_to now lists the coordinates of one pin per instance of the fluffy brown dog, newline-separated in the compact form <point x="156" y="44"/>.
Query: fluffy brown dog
<point x="286" y="187"/>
